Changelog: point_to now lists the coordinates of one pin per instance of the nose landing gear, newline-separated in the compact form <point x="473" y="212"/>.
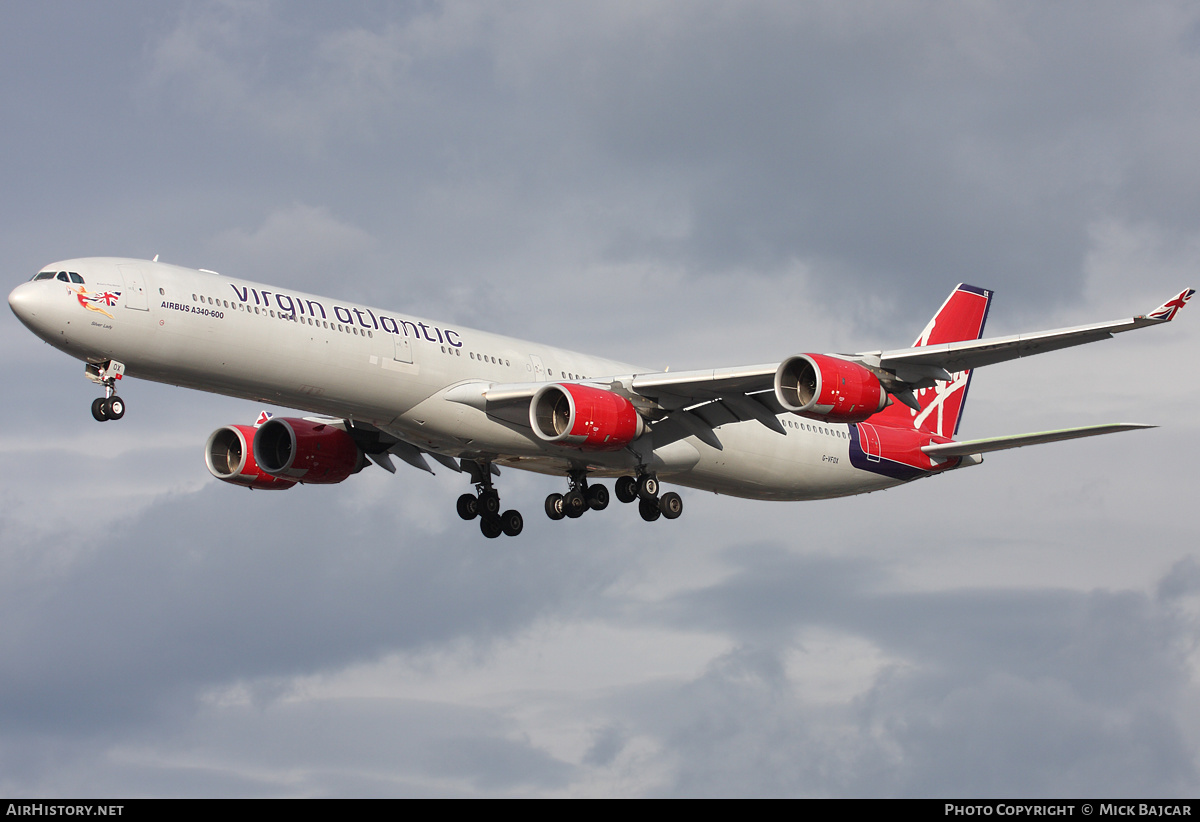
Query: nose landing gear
<point x="110" y="406"/>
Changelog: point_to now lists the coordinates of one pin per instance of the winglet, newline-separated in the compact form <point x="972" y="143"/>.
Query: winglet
<point x="1167" y="311"/>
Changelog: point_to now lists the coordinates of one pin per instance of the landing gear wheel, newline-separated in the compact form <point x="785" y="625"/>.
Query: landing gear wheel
<point x="490" y="526"/>
<point x="597" y="497"/>
<point x="554" y="507"/>
<point x="99" y="412"/>
<point x="647" y="487"/>
<point x="626" y="489"/>
<point x="489" y="503"/>
<point x="671" y="505"/>
<point x="511" y="522"/>
<point x="468" y="506"/>
<point x="574" y="504"/>
<point x="649" y="510"/>
<point x="114" y="407"/>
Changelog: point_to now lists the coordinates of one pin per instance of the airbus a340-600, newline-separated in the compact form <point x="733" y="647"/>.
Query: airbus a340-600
<point x="387" y="384"/>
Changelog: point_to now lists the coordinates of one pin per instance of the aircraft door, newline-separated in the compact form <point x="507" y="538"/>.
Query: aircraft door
<point x="539" y="370"/>
<point x="403" y="350"/>
<point x="868" y="440"/>
<point x="135" y="286"/>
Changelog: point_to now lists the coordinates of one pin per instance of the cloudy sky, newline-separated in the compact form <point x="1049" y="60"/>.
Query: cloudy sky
<point x="685" y="184"/>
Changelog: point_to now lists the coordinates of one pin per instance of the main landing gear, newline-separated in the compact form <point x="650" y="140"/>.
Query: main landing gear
<point x="110" y="406"/>
<point x="651" y="506"/>
<point x="578" y="499"/>
<point x="643" y="488"/>
<point x="485" y="504"/>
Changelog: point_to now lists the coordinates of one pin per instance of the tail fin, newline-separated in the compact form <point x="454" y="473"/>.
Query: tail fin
<point x="961" y="317"/>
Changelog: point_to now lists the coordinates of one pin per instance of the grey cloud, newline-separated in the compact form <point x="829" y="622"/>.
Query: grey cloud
<point x="993" y="692"/>
<point x="214" y="585"/>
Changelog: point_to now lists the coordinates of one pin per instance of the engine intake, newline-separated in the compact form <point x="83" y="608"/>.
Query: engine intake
<point x="584" y="417"/>
<point x="308" y="452"/>
<point x="827" y="388"/>
<point x="229" y="457"/>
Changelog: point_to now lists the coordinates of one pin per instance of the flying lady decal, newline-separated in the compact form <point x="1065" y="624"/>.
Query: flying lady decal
<point x="92" y="302"/>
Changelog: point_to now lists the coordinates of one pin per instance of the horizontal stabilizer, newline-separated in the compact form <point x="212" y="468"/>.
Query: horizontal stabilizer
<point x="962" y="449"/>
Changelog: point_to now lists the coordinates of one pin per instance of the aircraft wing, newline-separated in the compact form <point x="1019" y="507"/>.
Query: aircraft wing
<point x="696" y="402"/>
<point x="688" y="388"/>
<point x="961" y="356"/>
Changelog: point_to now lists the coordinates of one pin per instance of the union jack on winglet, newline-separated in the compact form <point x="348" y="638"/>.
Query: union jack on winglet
<point x="1167" y="311"/>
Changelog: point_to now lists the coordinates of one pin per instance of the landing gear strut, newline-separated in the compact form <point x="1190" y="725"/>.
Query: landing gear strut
<point x="110" y="406"/>
<point x="485" y="504"/>
<point x="644" y="488"/>
<point x="578" y="499"/>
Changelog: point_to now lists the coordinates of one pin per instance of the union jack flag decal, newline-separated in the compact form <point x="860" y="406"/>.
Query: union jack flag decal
<point x="108" y="297"/>
<point x="1170" y="308"/>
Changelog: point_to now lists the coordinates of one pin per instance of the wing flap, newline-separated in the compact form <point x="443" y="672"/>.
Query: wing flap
<point x="708" y="384"/>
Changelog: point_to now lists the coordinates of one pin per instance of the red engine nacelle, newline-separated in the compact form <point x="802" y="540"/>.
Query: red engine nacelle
<point x="826" y="388"/>
<point x="230" y="457"/>
<point x="584" y="417"/>
<point x="308" y="452"/>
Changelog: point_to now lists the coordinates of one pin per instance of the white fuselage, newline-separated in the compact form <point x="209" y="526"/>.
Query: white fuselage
<point x="213" y="333"/>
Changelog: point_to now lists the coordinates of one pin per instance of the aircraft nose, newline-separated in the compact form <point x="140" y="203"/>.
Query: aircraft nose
<point x="20" y="300"/>
<point x="27" y="301"/>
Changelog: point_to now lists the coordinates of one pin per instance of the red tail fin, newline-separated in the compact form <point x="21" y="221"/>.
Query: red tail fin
<point x="961" y="317"/>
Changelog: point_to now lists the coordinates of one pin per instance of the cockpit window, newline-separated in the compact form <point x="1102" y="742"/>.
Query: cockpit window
<point x="65" y="276"/>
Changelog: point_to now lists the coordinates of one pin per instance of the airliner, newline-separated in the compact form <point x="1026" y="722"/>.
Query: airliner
<point x="381" y="384"/>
